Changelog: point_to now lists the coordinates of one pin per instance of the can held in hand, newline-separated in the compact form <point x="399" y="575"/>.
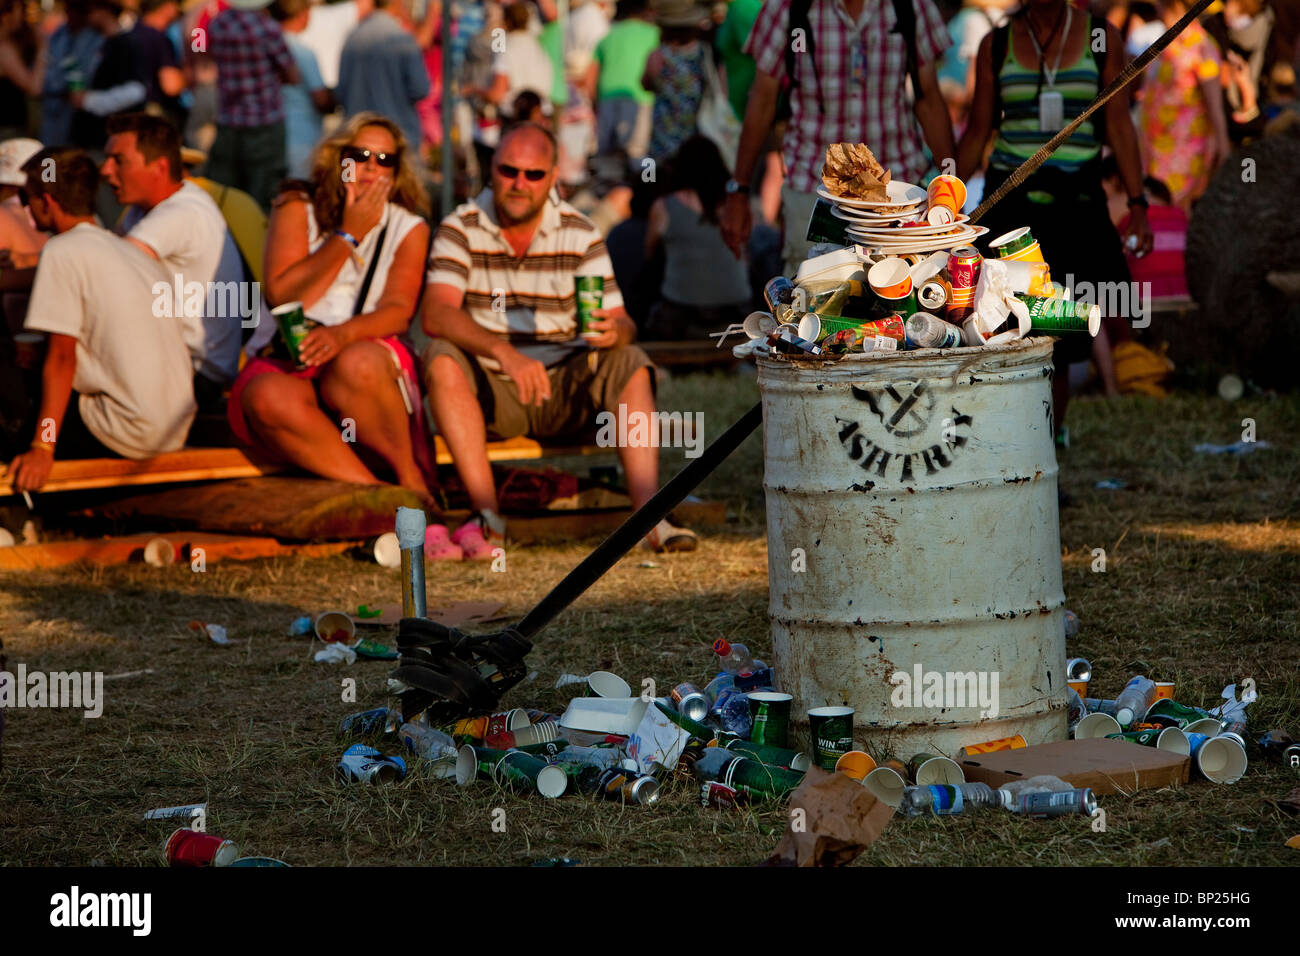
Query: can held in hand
<point x="196" y="848"/>
<point x="589" y="293"/>
<point x="832" y="734"/>
<point x="690" y="701"/>
<point x="294" y="327"/>
<point x="770" y="714"/>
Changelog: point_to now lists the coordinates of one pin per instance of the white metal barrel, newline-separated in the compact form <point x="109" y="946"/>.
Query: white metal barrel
<point x="912" y="530"/>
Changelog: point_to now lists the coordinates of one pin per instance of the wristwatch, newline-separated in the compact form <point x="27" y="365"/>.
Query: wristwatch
<point x="734" y="187"/>
<point x="1139" y="201"/>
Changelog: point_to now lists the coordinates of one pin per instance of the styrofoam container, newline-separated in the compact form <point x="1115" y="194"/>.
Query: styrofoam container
<point x="839" y="265"/>
<point x="604" y="715"/>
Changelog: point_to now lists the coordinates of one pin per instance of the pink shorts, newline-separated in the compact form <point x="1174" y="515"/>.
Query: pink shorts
<point x="420" y="443"/>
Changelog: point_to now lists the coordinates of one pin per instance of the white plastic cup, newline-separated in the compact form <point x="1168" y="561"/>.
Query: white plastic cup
<point x="605" y="684"/>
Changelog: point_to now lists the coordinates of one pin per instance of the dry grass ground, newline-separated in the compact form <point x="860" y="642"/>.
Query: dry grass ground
<point x="1201" y="587"/>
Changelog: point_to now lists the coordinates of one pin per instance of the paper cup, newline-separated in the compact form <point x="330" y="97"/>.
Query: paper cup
<point x="832" y="734"/>
<point x="605" y="684"/>
<point x="1210" y="726"/>
<point x="1012" y="242"/>
<point x="1221" y="760"/>
<point x="891" y="278"/>
<point x="539" y="733"/>
<point x="506" y="720"/>
<point x="810" y="326"/>
<point x="1164" y="690"/>
<point x="196" y="848"/>
<point x="887" y="785"/>
<point x="856" y="764"/>
<point x="467" y="765"/>
<point x="1173" y="740"/>
<point x="1033" y="278"/>
<point x="946" y="195"/>
<point x="387" y="551"/>
<point x="770" y="713"/>
<point x="335" y="627"/>
<point x="1049" y="314"/>
<point x="1031" y="253"/>
<point x="758" y="325"/>
<point x="1096" y="725"/>
<point x="159" y="553"/>
<point x="938" y="770"/>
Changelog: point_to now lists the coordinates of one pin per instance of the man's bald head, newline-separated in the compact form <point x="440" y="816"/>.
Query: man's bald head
<point x="523" y="172"/>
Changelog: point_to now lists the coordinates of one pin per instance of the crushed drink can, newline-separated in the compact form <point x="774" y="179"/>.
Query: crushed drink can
<point x="371" y="723"/>
<point x="1278" y="744"/>
<point x="1061" y="804"/>
<point x="627" y="785"/>
<point x="719" y="796"/>
<point x="196" y="848"/>
<point x="690" y="701"/>
<point x="362" y="764"/>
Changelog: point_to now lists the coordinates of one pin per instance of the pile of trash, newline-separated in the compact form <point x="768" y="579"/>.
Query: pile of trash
<point x="900" y="272"/>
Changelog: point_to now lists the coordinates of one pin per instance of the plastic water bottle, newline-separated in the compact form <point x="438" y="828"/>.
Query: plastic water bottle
<point x="730" y="712"/>
<point x="1134" y="700"/>
<point x="947" y="800"/>
<point x="601" y="757"/>
<point x="428" y="743"/>
<point x="733" y="658"/>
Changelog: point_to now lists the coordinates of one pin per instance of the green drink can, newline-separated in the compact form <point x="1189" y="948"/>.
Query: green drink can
<point x="761" y="781"/>
<point x="1050" y="314"/>
<point x="774" y="756"/>
<point x="832" y="734"/>
<point x="294" y="326"/>
<point x="589" y="291"/>
<point x="770" y="713"/>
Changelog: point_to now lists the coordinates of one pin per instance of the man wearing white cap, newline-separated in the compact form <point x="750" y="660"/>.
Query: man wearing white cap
<point x="20" y="240"/>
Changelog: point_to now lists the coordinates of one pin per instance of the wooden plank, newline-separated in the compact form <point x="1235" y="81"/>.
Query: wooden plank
<point x="569" y="526"/>
<point x="290" y="508"/>
<point x="189" y="464"/>
<point x="521" y="449"/>
<point x="130" y="549"/>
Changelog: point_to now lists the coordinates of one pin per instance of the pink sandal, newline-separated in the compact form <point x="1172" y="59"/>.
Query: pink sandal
<point x="472" y="541"/>
<point x="438" y="545"/>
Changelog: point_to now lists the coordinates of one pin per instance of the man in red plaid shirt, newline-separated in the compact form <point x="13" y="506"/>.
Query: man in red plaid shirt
<point x="252" y="61"/>
<point x="856" y="92"/>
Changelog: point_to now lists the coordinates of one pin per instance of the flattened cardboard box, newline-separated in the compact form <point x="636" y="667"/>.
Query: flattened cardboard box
<point x="1107" y="766"/>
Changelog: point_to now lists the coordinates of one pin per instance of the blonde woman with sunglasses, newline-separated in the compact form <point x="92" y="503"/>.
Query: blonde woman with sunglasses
<point x="350" y="246"/>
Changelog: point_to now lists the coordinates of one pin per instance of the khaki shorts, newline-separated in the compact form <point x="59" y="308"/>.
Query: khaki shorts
<point x="585" y="384"/>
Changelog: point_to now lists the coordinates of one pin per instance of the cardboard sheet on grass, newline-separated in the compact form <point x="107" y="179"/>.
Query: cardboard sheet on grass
<point x="1107" y="766"/>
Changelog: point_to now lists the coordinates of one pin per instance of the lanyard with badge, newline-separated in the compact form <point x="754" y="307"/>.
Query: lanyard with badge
<point x="1051" y="102"/>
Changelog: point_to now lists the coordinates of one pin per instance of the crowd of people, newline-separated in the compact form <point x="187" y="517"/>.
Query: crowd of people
<point x="157" y="159"/>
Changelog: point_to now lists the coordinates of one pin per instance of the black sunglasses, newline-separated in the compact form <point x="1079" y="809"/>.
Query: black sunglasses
<point x="361" y="156"/>
<point x="511" y="172"/>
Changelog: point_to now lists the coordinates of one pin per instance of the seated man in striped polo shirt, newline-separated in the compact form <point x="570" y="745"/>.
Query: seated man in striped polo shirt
<point x="506" y="356"/>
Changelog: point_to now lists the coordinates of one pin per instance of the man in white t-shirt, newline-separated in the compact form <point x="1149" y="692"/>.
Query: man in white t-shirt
<point x="327" y="30"/>
<point x="177" y="223"/>
<point x="116" y="379"/>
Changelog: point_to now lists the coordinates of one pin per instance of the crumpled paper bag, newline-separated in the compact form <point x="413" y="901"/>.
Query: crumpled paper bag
<point x="995" y="299"/>
<point x="840" y="819"/>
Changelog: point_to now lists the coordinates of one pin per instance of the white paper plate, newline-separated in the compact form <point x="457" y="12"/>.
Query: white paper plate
<point x="925" y="244"/>
<point x="904" y="232"/>
<point x="899" y="193"/>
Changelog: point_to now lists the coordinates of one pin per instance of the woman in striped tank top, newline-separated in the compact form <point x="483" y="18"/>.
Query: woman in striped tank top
<point x="1032" y="77"/>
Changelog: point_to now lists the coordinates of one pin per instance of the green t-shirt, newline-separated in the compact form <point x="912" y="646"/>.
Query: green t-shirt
<point x="622" y="55"/>
<point x="552" y="41"/>
<point x="732" y="35"/>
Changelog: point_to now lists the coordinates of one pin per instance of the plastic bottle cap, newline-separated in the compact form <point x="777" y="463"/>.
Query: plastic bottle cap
<point x="1125" y="716"/>
<point x="721" y="647"/>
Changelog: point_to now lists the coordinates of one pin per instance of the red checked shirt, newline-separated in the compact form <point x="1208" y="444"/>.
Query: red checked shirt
<point x="863" y="72"/>
<point x="252" y="59"/>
